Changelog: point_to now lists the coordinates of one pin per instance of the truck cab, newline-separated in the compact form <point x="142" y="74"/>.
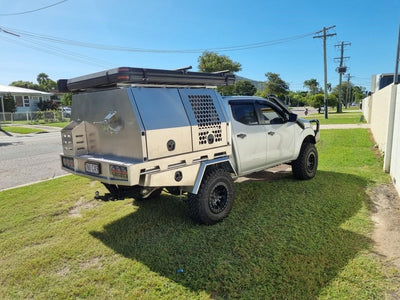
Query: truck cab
<point x="265" y="133"/>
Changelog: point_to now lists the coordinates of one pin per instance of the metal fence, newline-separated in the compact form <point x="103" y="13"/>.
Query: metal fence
<point x="47" y="116"/>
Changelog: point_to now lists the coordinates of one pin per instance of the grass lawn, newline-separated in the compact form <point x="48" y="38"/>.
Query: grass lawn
<point x="54" y="124"/>
<point x="21" y="130"/>
<point x="284" y="239"/>
<point x="347" y="117"/>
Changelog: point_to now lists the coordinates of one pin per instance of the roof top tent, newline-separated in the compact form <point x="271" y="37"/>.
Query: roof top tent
<point x="128" y="75"/>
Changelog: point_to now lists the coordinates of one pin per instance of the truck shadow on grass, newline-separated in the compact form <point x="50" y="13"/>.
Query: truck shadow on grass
<point x="284" y="239"/>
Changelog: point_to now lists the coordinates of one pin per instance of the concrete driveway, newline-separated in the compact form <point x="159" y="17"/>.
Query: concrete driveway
<point x="29" y="158"/>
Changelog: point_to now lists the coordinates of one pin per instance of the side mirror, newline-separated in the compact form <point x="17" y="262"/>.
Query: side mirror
<point x="292" y="117"/>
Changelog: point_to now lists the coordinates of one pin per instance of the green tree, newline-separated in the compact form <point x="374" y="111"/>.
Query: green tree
<point x="212" y="62"/>
<point x="9" y="104"/>
<point x="312" y="85"/>
<point x="244" y="88"/>
<point x="318" y="100"/>
<point x="66" y="99"/>
<point x="275" y="86"/>
<point x="45" y="83"/>
<point x="47" y="105"/>
<point x="42" y="78"/>
<point x="347" y="92"/>
<point x="25" y="84"/>
<point x="297" y="98"/>
<point x="358" y="93"/>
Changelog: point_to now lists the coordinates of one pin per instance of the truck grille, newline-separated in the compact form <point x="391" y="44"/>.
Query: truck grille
<point x="207" y="118"/>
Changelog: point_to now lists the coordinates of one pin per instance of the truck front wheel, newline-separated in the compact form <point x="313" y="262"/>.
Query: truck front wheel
<point x="214" y="200"/>
<point x="305" y="166"/>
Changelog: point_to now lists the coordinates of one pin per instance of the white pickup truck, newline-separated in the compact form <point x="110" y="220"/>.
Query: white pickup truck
<point x="139" y="131"/>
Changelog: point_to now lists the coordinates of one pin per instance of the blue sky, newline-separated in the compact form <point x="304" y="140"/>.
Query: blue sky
<point x="370" y="26"/>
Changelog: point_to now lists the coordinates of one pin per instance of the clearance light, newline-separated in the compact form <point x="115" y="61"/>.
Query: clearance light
<point x="68" y="162"/>
<point x="119" y="171"/>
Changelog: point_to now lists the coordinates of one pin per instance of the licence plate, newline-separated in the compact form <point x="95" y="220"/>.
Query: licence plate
<point x="92" y="168"/>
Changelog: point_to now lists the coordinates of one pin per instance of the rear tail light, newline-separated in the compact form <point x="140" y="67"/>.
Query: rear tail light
<point x="68" y="162"/>
<point x="119" y="171"/>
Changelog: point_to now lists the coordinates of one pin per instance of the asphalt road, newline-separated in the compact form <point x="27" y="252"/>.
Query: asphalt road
<point x="29" y="158"/>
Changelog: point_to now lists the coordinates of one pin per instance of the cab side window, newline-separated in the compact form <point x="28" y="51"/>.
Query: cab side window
<point x="270" y="115"/>
<point x="245" y="113"/>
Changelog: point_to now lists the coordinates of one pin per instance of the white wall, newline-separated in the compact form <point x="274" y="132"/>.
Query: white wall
<point x="382" y="111"/>
<point x="366" y="108"/>
<point x="395" y="158"/>
<point x="378" y="116"/>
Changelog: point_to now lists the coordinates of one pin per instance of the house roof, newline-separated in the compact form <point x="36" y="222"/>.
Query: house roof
<point x="5" y="89"/>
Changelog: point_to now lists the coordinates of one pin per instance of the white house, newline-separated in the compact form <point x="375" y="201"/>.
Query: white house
<point x="26" y="99"/>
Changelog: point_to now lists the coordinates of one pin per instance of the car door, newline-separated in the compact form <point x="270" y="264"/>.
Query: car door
<point x="279" y="132"/>
<point x="250" y="142"/>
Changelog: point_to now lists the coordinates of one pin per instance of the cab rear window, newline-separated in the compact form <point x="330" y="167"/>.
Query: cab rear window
<point x="244" y="113"/>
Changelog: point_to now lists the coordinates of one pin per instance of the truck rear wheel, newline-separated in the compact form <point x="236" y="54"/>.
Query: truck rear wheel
<point x="305" y="166"/>
<point x="214" y="200"/>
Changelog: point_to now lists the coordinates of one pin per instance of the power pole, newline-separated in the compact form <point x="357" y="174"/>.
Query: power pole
<point x="341" y="70"/>
<point x="396" y="71"/>
<point x="324" y="36"/>
<point x="348" y="96"/>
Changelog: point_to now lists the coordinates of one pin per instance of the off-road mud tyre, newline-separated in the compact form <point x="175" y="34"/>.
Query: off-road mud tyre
<point x="305" y="166"/>
<point x="214" y="199"/>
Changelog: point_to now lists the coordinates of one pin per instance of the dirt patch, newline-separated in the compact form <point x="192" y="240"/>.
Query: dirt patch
<point x="80" y="205"/>
<point x="93" y="262"/>
<point x="92" y="183"/>
<point x="63" y="272"/>
<point x="386" y="216"/>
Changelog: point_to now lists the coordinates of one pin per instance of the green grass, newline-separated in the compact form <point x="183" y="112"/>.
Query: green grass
<point x="20" y="129"/>
<point x="42" y="122"/>
<point x="284" y="239"/>
<point x="55" y="124"/>
<point x="347" y="117"/>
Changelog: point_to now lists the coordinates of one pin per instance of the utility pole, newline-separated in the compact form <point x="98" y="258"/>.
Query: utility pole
<point x="341" y="70"/>
<point x="324" y="36"/>
<point x="348" y="96"/>
<point x="396" y="71"/>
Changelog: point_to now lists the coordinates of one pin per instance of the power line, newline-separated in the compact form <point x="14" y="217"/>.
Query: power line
<point x="34" y="10"/>
<point x="57" y="51"/>
<point x="22" y="34"/>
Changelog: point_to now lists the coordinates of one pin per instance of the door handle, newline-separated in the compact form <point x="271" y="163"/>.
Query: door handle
<point x="241" y="135"/>
<point x="271" y="133"/>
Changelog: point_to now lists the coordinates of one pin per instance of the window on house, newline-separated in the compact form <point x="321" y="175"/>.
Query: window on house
<point x="26" y="101"/>
<point x="18" y="101"/>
